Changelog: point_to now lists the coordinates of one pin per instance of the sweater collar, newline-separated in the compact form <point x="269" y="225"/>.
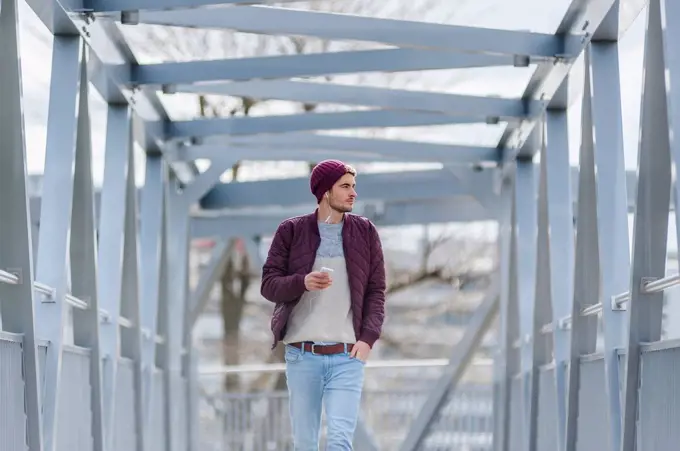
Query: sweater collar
<point x="313" y="223"/>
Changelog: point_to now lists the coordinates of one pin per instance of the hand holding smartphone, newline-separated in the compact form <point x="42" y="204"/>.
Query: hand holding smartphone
<point x="329" y="271"/>
<point x="319" y="280"/>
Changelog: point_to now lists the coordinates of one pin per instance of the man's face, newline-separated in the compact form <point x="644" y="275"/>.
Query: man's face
<point x="343" y="194"/>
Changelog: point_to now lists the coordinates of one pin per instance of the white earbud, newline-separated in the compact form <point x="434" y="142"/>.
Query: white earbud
<point x="329" y="200"/>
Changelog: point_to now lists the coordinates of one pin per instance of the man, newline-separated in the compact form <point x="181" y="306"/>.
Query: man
<point x="325" y="272"/>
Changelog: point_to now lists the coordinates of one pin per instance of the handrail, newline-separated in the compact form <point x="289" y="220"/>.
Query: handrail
<point x="654" y="286"/>
<point x="104" y="316"/>
<point x="126" y="323"/>
<point x="75" y="302"/>
<point x="44" y="289"/>
<point x="8" y="277"/>
<point x="219" y="370"/>
<point x="617" y="301"/>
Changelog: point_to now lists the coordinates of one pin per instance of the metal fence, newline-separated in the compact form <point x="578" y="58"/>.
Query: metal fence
<point x="74" y="421"/>
<point x="261" y="422"/>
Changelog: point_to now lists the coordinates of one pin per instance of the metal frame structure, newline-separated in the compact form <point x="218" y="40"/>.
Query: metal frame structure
<point x="94" y="286"/>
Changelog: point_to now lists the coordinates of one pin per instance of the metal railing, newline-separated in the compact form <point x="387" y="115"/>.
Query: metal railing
<point x="647" y="286"/>
<point x="261" y="421"/>
<point x="8" y="277"/>
<point x="75" y="302"/>
<point x="221" y="370"/>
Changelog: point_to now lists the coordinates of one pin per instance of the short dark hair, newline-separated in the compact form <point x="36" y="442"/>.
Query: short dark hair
<point x="350" y="170"/>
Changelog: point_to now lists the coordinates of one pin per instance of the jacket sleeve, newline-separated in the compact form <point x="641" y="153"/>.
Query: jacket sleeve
<point x="374" y="301"/>
<point x="277" y="286"/>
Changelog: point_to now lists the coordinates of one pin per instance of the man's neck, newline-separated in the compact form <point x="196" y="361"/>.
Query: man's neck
<point x="336" y="217"/>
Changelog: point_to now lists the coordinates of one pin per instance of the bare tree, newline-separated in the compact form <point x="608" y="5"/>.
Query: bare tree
<point x="234" y="284"/>
<point x="450" y="258"/>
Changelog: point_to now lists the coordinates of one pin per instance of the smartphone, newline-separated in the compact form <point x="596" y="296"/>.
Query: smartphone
<point x="324" y="269"/>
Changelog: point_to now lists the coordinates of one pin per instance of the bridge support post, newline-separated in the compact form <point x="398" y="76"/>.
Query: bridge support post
<point x="658" y="131"/>
<point x="112" y="230"/>
<point x="557" y="205"/>
<point x="52" y="312"/>
<point x="83" y="259"/>
<point x="152" y="242"/>
<point x="17" y="314"/>
<point x="506" y="357"/>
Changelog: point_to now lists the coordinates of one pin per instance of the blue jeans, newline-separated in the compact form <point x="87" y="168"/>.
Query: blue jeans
<point x="334" y="381"/>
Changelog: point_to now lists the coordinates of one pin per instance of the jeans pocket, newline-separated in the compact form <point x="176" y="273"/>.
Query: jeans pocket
<point x="292" y="355"/>
<point x="363" y="362"/>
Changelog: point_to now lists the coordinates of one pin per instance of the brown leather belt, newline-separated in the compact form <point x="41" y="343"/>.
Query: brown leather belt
<point x="338" y="348"/>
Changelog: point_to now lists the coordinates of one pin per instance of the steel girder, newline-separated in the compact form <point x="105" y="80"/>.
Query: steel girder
<point x="17" y="312"/>
<point x="401" y="33"/>
<point x="449" y="183"/>
<point x="106" y="278"/>
<point x="559" y="276"/>
<point x="559" y="49"/>
<point x="499" y="109"/>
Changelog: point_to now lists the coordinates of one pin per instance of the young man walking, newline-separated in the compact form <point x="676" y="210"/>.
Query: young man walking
<point x="325" y="272"/>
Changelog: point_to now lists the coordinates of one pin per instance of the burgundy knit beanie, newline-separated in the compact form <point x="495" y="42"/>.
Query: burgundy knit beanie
<point x="324" y="175"/>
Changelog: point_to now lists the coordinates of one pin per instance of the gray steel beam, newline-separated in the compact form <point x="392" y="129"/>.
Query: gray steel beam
<point x="391" y="214"/>
<point x="219" y="256"/>
<point x="305" y="65"/>
<point x="399" y="99"/>
<point x="434" y="184"/>
<point x="421" y="184"/>
<point x="151" y="242"/>
<point x="177" y="358"/>
<point x="630" y="183"/>
<point x="83" y="258"/>
<point x="459" y="155"/>
<point x="670" y="15"/>
<point x="16" y="253"/>
<point x="54" y="17"/>
<point x="347" y="145"/>
<point x="310" y="121"/>
<point x="587" y="269"/>
<point x="130" y="308"/>
<point x="401" y="33"/>
<point x="586" y="17"/>
<point x="506" y="361"/>
<point x="460" y="357"/>
<point x="136" y="5"/>
<point x="650" y="223"/>
<point x="176" y="309"/>
<point x="541" y="346"/>
<point x="164" y="327"/>
<point x="205" y="181"/>
<point x="560" y="245"/>
<point x="66" y="18"/>
<point x="111" y="247"/>
<point x="525" y="237"/>
<point x="57" y="203"/>
<point x="612" y="214"/>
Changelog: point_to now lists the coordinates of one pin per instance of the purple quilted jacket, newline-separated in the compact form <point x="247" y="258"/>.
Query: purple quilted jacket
<point x="291" y="257"/>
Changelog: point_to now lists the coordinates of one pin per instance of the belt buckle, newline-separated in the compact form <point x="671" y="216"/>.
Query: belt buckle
<point x="312" y="350"/>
